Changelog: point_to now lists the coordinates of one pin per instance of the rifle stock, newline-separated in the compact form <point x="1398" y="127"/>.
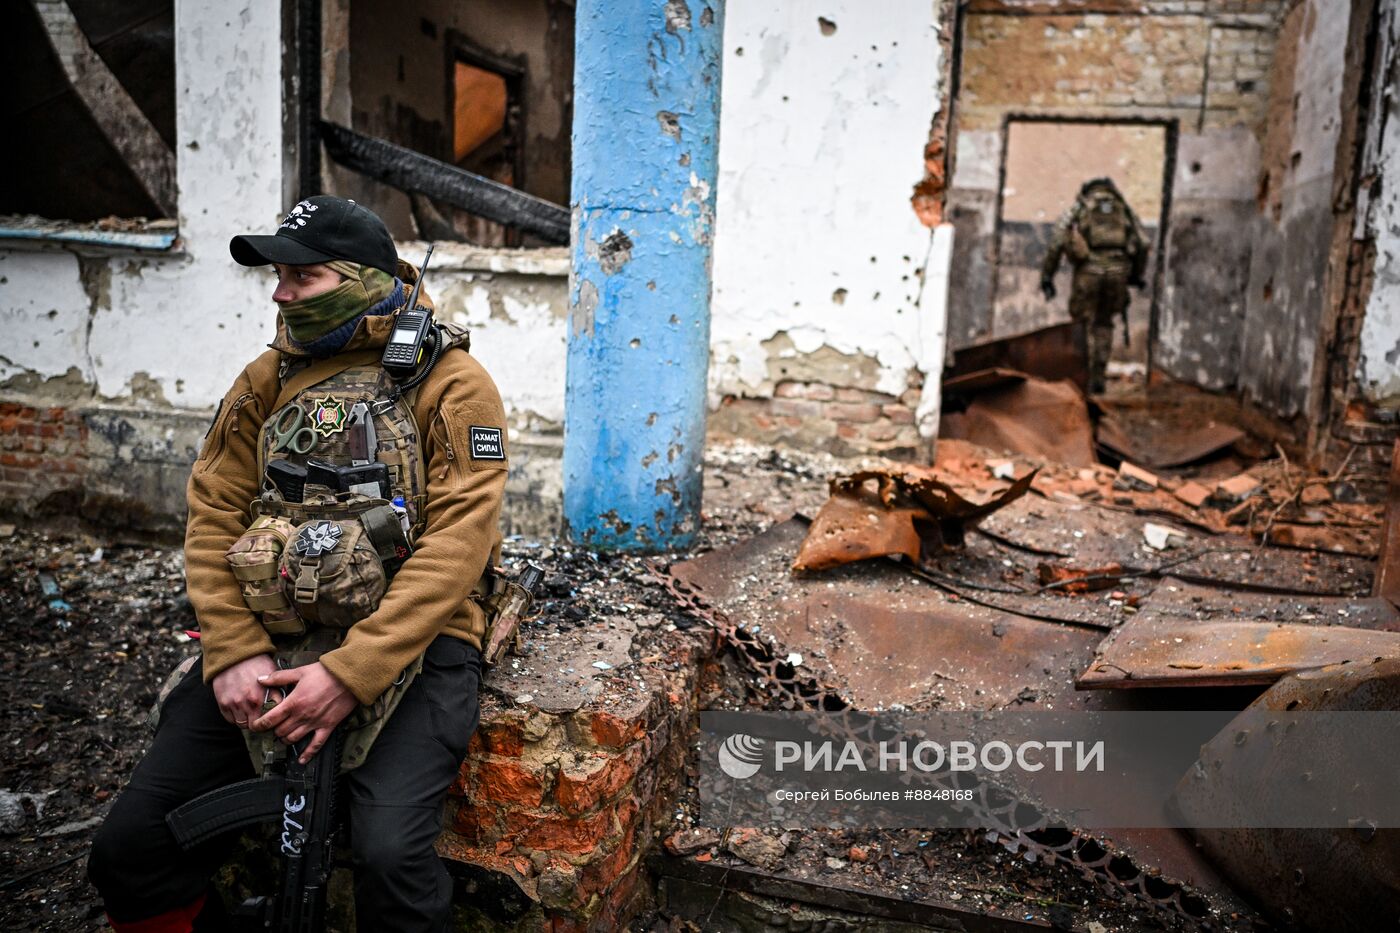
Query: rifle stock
<point x="304" y="798"/>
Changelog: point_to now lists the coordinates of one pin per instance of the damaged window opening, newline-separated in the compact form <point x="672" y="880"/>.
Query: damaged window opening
<point x="487" y="116"/>
<point x="92" y="94"/>
<point x="454" y="122"/>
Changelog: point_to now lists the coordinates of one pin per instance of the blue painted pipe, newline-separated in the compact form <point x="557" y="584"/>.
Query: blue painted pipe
<point x="645" y="147"/>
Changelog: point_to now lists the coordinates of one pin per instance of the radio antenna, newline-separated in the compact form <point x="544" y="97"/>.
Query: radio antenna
<point x="418" y="285"/>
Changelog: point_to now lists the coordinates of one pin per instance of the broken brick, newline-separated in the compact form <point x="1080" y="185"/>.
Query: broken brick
<point x="1134" y="479"/>
<point x="585" y="786"/>
<point x="505" y="781"/>
<point x="1237" y="488"/>
<point x="686" y="841"/>
<point x="1193" y="494"/>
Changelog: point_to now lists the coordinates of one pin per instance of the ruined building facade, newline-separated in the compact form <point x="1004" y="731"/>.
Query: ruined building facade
<point x="887" y="183"/>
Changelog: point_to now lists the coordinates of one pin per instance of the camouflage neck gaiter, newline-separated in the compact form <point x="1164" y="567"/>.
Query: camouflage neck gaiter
<point x="314" y="317"/>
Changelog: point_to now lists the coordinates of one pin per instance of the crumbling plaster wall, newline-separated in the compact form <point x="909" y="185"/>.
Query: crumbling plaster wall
<point x="160" y="325"/>
<point x="138" y="347"/>
<point x="1292" y="233"/>
<point x="1379" y="365"/>
<point x="119" y="347"/>
<point x="820" y="262"/>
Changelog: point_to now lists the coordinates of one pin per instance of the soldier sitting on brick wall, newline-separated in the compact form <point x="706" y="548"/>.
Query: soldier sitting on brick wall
<point x="362" y="602"/>
<point x="1108" y="250"/>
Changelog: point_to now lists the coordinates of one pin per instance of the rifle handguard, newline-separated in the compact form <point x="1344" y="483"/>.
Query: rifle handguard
<point x="508" y="604"/>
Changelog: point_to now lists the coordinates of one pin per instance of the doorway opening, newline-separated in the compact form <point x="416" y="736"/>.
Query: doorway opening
<point x="1044" y="163"/>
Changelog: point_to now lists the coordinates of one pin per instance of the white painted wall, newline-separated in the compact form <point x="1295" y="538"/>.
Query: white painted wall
<point x="190" y="319"/>
<point x="1380" y="331"/>
<point x="821" y="143"/>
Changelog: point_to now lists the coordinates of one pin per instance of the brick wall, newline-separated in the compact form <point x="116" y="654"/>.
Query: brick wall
<point x="43" y="454"/>
<point x="838" y="419"/>
<point x="565" y="803"/>
<point x="1208" y="65"/>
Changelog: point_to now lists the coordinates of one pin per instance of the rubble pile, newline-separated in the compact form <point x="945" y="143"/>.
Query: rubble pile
<point x="1248" y="569"/>
<point x="93" y="629"/>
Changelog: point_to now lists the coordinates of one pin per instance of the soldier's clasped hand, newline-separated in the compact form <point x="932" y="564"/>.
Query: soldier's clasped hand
<point x="315" y="707"/>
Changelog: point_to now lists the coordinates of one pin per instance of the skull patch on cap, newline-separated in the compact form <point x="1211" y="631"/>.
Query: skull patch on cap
<point x="299" y="215"/>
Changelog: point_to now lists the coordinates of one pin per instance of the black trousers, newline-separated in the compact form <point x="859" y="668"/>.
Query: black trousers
<point x="395" y="801"/>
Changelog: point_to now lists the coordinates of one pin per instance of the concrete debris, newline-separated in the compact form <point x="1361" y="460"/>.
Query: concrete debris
<point x="18" y="810"/>
<point x="688" y="841"/>
<point x="75" y="826"/>
<point x="756" y="847"/>
<point x="1160" y="537"/>
<point x="1003" y="469"/>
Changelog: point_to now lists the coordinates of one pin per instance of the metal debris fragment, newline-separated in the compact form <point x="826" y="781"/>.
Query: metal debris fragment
<point x="1150" y="650"/>
<point x="1342" y="880"/>
<point x="903" y="510"/>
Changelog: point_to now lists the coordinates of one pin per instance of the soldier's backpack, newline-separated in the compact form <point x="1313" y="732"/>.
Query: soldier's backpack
<point x="1105" y="222"/>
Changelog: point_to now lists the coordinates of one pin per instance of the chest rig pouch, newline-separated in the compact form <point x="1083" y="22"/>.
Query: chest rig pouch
<point x="340" y="510"/>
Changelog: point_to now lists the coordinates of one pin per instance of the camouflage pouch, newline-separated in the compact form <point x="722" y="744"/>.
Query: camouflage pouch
<point x="254" y="559"/>
<point x="362" y="726"/>
<point x="171" y="682"/>
<point x="332" y="572"/>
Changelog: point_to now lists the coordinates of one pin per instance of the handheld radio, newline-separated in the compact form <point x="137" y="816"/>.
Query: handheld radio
<point x="413" y="326"/>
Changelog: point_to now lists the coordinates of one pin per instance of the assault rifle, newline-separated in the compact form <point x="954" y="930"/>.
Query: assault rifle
<point x="303" y="798"/>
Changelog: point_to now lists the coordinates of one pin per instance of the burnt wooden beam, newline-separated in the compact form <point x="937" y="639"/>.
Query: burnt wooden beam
<point x="412" y="171"/>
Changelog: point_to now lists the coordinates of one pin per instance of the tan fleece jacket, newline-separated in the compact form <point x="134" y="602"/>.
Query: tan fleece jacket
<point x="434" y="590"/>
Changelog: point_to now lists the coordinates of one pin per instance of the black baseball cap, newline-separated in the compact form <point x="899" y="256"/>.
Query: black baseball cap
<point x="320" y="229"/>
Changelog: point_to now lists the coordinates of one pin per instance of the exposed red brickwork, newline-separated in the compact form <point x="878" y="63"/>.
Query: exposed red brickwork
<point x="840" y="420"/>
<point x="565" y="803"/>
<point x="43" y="452"/>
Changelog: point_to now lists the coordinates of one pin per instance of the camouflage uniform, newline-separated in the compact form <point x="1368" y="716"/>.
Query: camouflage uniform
<point x="1108" y="251"/>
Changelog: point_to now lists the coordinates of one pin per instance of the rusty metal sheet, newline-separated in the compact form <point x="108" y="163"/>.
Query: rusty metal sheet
<point x="1049" y="353"/>
<point x="1388" y="565"/>
<point x="1035" y="418"/>
<point x="1162" y="445"/>
<point x="904" y="510"/>
<point x="882" y="636"/>
<point x="1184" y="600"/>
<point x="1305" y="879"/>
<point x="1162" y="651"/>
<point x="732" y="587"/>
<point x="981" y="380"/>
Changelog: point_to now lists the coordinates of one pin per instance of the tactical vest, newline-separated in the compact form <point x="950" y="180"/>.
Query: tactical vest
<point x="310" y="570"/>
